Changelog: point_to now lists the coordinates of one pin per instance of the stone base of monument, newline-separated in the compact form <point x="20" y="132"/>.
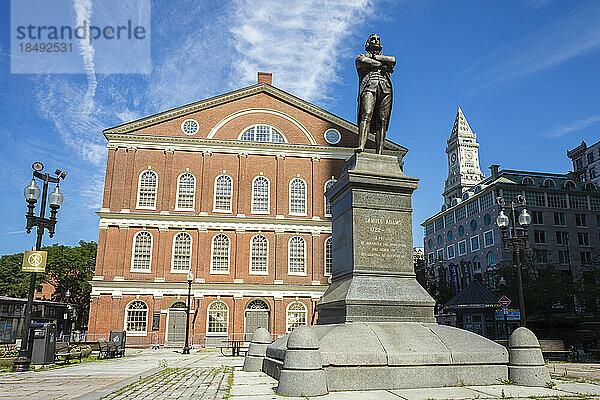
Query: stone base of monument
<point x="376" y="328"/>
<point x="397" y="355"/>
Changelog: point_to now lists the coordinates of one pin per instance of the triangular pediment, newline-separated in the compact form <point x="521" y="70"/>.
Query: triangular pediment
<point x="260" y="88"/>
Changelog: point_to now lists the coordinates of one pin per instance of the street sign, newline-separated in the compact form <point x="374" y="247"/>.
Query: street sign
<point x="34" y="261"/>
<point x="504" y="301"/>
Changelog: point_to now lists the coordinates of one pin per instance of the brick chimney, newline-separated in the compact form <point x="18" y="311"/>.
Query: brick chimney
<point x="494" y="168"/>
<point x="265" y="77"/>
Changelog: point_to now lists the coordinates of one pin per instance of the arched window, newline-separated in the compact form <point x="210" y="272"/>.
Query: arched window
<point x="297" y="256"/>
<point x="296" y="315"/>
<point x="136" y="318"/>
<point x="257" y="304"/>
<point x="260" y="195"/>
<point x="490" y="259"/>
<point x="142" y="252"/>
<point x="262" y="133"/>
<point x="327" y="205"/>
<point x="569" y="184"/>
<point x="465" y="196"/>
<point x="297" y="197"/>
<point x="217" y="318"/>
<point x="186" y="190"/>
<point x="147" y="190"/>
<point x="549" y="182"/>
<point x="527" y="181"/>
<point x="590" y="186"/>
<point x="259" y="254"/>
<point x="476" y="265"/>
<point x="223" y="193"/>
<point x="182" y="252"/>
<point x="328" y="256"/>
<point x="219" y="263"/>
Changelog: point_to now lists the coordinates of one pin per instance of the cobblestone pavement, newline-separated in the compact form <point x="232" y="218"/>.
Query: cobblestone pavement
<point x="143" y="374"/>
<point x="575" y="370"/>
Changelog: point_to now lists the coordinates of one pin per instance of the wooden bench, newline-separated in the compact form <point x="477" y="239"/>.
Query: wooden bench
<point x="107" y="349"/>
<point x="61" y="351"/>
<point x="555" y="350"/>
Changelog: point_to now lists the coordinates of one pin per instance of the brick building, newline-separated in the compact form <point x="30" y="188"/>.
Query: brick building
<point x="231" y="187"/>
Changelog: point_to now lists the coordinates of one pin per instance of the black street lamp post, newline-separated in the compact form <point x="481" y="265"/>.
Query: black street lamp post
<point x="186" y="348"/>
<point x="55" y="199"/>
<point x="515" y="241"/>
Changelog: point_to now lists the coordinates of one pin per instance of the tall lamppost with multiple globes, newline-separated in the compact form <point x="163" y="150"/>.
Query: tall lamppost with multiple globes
<point x="54" y="201"/>
<point x="512" y="239"/>
<point x="186" y="348"/>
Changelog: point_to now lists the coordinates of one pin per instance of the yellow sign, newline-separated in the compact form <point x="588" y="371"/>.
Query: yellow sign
<point x="34" y="261"/>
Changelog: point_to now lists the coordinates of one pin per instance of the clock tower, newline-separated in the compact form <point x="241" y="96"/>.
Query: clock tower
<point x="463" y="160"/>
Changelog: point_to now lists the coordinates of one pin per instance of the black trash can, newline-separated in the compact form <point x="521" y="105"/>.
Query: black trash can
<point x="44" y="342"/>
<point x="119" y="338"/>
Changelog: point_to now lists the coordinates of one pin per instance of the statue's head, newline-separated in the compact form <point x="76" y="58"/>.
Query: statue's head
<point x="373" y="44"/>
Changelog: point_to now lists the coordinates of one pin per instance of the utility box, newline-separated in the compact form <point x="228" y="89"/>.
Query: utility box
<point x="44" y="342"/>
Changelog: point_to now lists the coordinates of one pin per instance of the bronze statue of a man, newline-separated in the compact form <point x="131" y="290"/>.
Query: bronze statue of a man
<point x="374" y="93"/>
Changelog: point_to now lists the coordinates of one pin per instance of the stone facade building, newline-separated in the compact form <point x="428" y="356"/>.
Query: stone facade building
<point x="462" y="241"/>
<point x="586" y="162"/>
<point x="231" y="188"/>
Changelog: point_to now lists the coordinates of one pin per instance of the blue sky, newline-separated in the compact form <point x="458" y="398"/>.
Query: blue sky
<point x="525" y="73"/>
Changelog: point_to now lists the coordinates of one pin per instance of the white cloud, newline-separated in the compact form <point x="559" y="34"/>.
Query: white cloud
<point x="574" y="126"/>
<point x="300" y="42"/>
<point x="572" y="35"/>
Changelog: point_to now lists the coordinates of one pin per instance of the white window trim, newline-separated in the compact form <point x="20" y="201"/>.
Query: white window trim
<point x="193" y="208"/>
<point x="471" y="243"/>
<point x="250" y="261"/>
<point x="174" y="271"/>
<point x="287" y="309"/>
<point x="325" y="198"/>
<point x="143" y="271"/>
<point x="197" y="126"/>
<point x="458" y="247"/>
<point x="212" y="250"/>
<point x="226" y="333"/>
<point x="335" y="130"/>
<point x="289" y="255"/>
<point x="268" y="196"/>
<point x="229" y="211"/>
<point x="136" y="333"/>
<point x="493" y="239"/>
<point x="325" y="256"/>
<point x="305" y="197"/>
<point x="437" y="257"/>
<point x="454" y="252"/>
<point x="271" y="133"/>
<point x="137" y="203"/>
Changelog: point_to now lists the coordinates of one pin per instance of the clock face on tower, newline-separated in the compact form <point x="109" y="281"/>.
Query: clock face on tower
<point x="469" y="155"/>
<point x="453" y="157"/>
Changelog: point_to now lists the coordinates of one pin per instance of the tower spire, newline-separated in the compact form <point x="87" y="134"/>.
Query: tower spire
<point x="463" y="159"/>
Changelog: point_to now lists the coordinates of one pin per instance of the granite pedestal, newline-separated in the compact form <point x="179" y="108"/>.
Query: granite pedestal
<point x="376" y="327"/>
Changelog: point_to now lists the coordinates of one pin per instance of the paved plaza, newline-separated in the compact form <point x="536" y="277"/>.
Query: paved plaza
<point x="206" y="374"/>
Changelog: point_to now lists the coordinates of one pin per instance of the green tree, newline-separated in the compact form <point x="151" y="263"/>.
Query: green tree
<point x="67" y="268"/>
<point x="13" y="281"/>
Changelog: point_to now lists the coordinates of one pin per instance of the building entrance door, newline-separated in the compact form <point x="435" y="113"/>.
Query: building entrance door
<point x="257" y="316"/>
<point x="176" y="324"/>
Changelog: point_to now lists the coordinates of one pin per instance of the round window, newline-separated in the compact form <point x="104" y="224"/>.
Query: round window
<point x="461" y="230"/>
<point x="450" y="235"/>
<point x="332" y="136"/>
<point x="189" y="127"/>
<point x="487" y="219"/>
<point x="429" y="243"/>
<point x="440" y="239"/>
<point x="473" y="225"/>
